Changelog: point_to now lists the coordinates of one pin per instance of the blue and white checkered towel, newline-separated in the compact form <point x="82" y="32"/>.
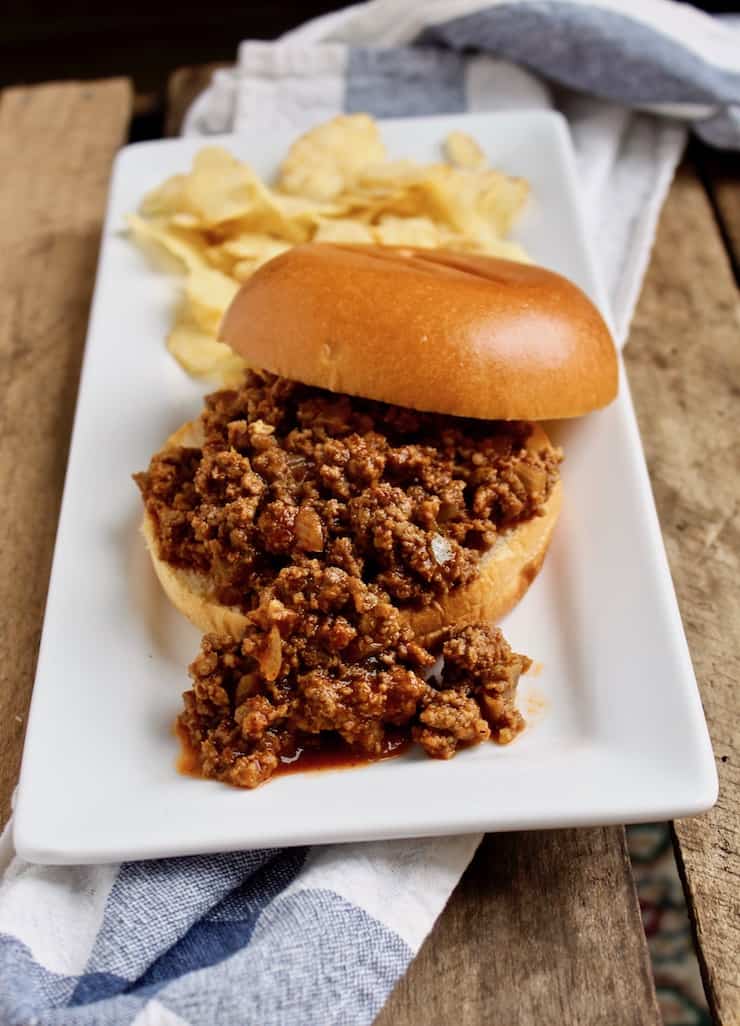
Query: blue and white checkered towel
<point x="319" y="936"/>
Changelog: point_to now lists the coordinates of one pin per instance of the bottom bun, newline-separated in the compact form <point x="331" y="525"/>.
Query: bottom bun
<point x="504" y="574"/>
<point x="505" y="571"/>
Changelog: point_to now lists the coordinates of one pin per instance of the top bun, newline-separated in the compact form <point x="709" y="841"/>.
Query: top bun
<point x="467" y="335"/>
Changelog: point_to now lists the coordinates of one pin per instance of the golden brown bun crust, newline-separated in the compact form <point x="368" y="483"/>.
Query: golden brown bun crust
<point x="188" y="590"/>
<point x="472" y="336"/>
<point x="506" y="571"/>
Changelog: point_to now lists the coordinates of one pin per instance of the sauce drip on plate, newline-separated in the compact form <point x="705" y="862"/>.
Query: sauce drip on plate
<point x="327" y="752"/>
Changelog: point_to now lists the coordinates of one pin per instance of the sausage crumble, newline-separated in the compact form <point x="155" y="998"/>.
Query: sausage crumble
<point x="321" y="517"/>
<point x="325" y="654"/>
<point x="404" y="500"/>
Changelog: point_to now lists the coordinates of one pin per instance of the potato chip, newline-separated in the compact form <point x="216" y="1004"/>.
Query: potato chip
<point x="298" y="208"/>
<point x="425" y="191"/>
<point x="289" y="219"/>
<point x="268" y="255"/>
<point x="195" y="349"/>
<point x="501" y="199"/>
<point x="200" y="354"/>
<point x="391" y="175"/>
<point x="451" y="194"/>
<point x="220" y="188"/>
<point x="273" y="222"/>
<point x="244" y="269"/>
<point x="407" y="231"/>
<point x="230" y="370"/>
<point x="462" y="150"/>
<point x="343" y="230"/>
<point x="254" y="246"/>
<point x="319" y="181"/>
<point x="480" y="205"/>
<point x="508" y="250"/>
<point x="219" y="259"/>
<point x="208" y="294"/>
<point x="327" y="159"/>
<point x="187" y="221"/>
<point x="166" y="199"/>
<point x="226" y="196"/>
<point x="157" y="239"/>
<point x="368" y="207"/>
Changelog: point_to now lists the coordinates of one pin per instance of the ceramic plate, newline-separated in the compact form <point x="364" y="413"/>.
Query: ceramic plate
<point x="616" y="730"/>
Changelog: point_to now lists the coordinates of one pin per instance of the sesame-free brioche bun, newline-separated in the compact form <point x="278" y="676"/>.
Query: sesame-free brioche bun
<point x="505" y="571"/>
<point x="467" y="335"/>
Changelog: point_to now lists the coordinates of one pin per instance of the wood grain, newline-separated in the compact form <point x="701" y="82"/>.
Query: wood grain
<point x="544" y="928"/>
<point x="57" y="143"/>
<point x="684" y="366"/>
<point x="720" y="173"/>
<point x="727" y="198"/>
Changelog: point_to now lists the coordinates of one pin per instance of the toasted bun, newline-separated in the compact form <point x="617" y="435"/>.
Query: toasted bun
<point x="505" y="572"/>
<point x="189" y="592"/>
<point x="452" y="333"/>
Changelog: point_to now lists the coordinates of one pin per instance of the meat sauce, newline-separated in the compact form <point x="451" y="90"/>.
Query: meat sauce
<point x="331" y="754"/>
<point x="404" y="500"/>
<point x="321" y="517"/>
<point x="300" y="677"/>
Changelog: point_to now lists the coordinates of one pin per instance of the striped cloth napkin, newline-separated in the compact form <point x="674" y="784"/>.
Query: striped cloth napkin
<point x="629" y="76"/>
<point x="319" y="936"/>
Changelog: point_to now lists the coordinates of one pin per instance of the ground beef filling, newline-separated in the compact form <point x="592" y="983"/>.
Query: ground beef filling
<point x="321" y="516"/>
<point x="324" y="653"/>
<point x="403" y="500"/>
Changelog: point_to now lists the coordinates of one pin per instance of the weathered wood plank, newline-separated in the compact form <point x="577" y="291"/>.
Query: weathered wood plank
<point x="684" y="366"/>
<point x="543" y="928"/>
<point x="182" y="88"/>
<point x="720" y="171"/>
<point x="727" y="198"/>
<point x="57" y="143"/>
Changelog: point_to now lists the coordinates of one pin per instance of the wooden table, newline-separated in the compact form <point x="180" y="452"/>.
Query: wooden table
<point x="544" y="927"/>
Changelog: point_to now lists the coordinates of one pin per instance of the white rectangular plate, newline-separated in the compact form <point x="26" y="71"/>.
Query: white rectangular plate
<point x="616" y="731"/>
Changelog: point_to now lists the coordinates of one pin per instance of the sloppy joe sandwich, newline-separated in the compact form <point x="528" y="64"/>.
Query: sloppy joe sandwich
<point x="347" y="523"/>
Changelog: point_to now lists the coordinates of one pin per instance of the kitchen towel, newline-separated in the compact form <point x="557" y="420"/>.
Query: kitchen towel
<point x="319" y="936"/>
<point x="629" y="76"/>
<point x="297" y="937"/>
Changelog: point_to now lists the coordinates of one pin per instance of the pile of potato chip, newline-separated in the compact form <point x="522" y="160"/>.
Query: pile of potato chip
<point x="220" y="222"/>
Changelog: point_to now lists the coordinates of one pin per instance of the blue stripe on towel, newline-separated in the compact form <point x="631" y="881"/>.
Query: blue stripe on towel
<point x="311" y="953"/>
<point x="152" y="905"/>
<point x="26" y="987"/>
<point x="593" y="50"/>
